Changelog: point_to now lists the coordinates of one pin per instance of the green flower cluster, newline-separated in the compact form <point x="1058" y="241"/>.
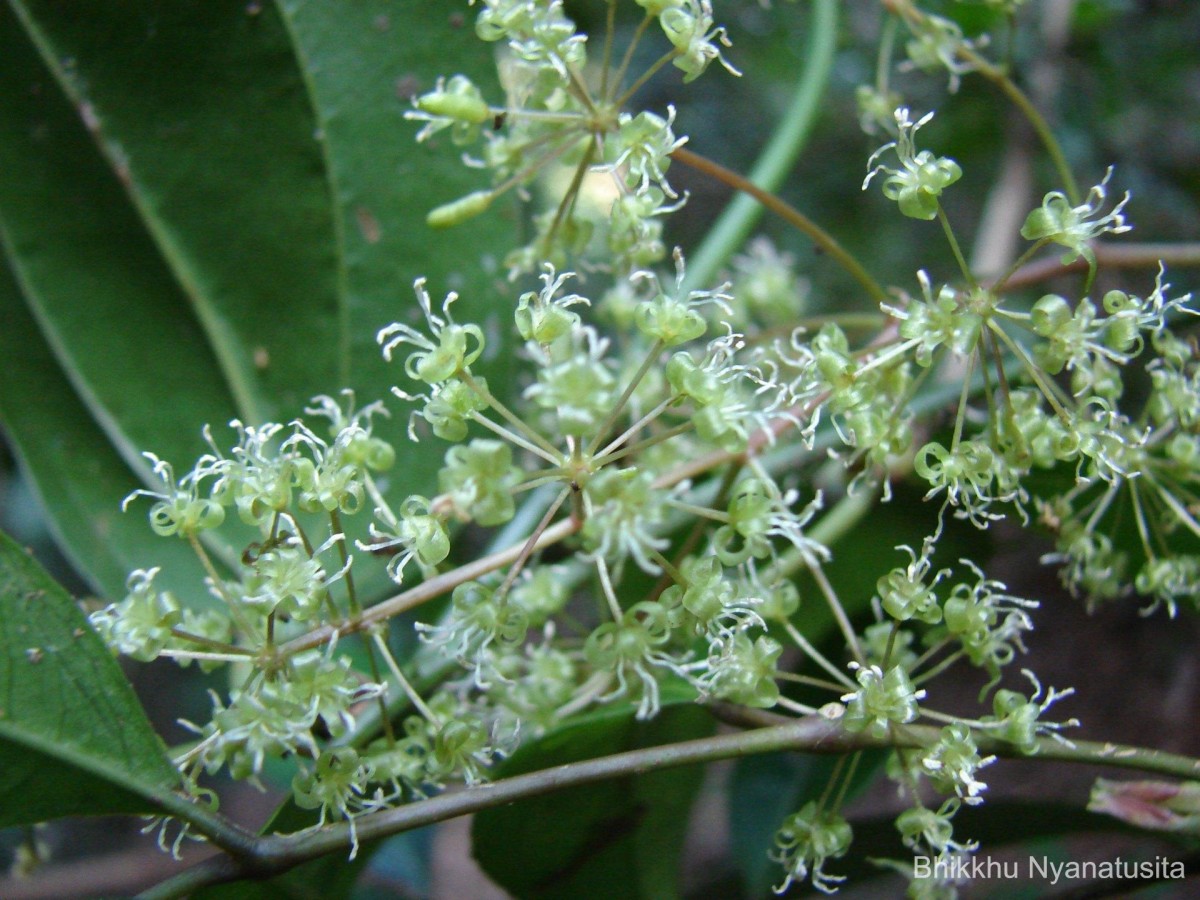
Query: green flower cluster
<point x="671" y="460"/>
<point x="558" y="117"/>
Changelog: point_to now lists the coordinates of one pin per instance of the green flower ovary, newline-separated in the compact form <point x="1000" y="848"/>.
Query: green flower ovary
<point x="881" y="701"/>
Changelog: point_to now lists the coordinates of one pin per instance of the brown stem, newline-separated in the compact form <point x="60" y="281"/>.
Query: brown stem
<point x="788" y="213"/>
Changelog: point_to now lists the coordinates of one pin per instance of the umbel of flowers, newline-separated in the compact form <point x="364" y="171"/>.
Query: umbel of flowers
<point x="663" y="438"/>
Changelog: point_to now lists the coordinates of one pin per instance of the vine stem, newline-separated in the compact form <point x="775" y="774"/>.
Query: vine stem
<point x="789" y="214"/>
<point x="1008" y="87"/>
<point x="779" y="156"/>
<point x="269" y="855"/>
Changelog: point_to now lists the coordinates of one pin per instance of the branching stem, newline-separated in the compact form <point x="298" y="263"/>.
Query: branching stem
<point x="264" y="856"/>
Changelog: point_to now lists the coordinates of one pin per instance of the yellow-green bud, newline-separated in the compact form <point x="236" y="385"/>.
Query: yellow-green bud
<point x="460" y="107"/>
<point x="460" y="210"/>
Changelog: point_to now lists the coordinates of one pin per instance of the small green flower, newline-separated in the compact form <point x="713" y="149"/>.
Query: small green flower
<point x="988" y="622"/>
<point x="417" y="534"/>
<point x="139" y="626"/>
<point x="921" y="178"/>
<point x="937" y="321"/>
<point x="461" y="746"/>
<point x="672" y="318"/>
<point x="623" y="509"/>
<point x="479" y="478"/>
<point x="952" y="762"/>
<point x="180" y="509"/>
<point x="478" y="623"/>
<point x="631" y="649"/>
<point x="1015" y="718"/>
<point x="642" y="149"/>
<point x="544" y="316"/>
<point x="743" y="670"/>
<point x="905" y="594"/>
<point x="880" y="701"/>
<point x="876" y="108"/>
<point x="766" y="290"/>
<point x="921" y="825"/>
<point x="451" y="350"/>
<point x="705" y="603"/>
<point x="1074" y="227"/>
<point x="688" y="24"/>
<point x="575" y="381"/>
<point x="285" y="581"/>
<point x="806" y="841"/>
<point x="939" y="43"/>
<point x="448" y="407"/>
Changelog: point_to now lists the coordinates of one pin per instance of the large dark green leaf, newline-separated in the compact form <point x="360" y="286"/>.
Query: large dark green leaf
<point x="73" y="739"/>
<point x="201" y="113"/>
<point x="621" y="836"/>
<point x="110" y="307"/>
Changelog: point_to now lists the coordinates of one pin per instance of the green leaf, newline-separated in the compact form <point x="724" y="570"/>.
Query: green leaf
<point x="200" y="111"/>
<point x="80" y="478"/>
<point x="73" y="739"/>
<point x="233" y="189"/>
<point x="624" y="832"/>
<point x="111" y="310"/>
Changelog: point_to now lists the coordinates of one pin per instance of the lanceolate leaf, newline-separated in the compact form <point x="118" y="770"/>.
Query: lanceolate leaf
<point x="361" y="62"/>
<point x="200" y="112"/>
<point x="109" y="307"/>
<point x="212" y="207"/>
<point x="73" y="739"/>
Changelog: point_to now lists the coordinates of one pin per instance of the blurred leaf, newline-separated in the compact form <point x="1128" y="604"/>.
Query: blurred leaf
<point x="360" y="64"/>
<point x="240" y="223"/>
<point x="625" y="832"/>
<point x="201" y="113"/>
<point x="73" y="739"/>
